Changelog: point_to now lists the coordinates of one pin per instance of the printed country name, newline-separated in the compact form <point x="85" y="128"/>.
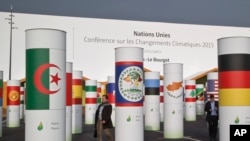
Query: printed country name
<point x="154" y="59"/>
<point x="54" y="125"/>
<point x="55" y="128"/>
<point x="152" y="34"/>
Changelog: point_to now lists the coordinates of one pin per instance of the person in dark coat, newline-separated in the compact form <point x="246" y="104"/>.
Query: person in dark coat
<point x="212" y="110"/>
<point x="103" y="122"/>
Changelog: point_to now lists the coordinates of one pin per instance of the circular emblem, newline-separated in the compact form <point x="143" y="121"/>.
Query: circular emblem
<point x="130" y="84"/>
<point x="37" y="78"/>
<point x="13" y="95"/>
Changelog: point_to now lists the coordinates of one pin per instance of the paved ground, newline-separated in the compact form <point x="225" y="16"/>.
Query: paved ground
<point x="193" y="131"/>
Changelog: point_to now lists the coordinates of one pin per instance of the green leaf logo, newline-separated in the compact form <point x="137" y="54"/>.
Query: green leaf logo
<point x="237" y="120"/>
<point x="173" y="112"/>
<point x="40" y="126"/>
<point x="152" y="110"/>
<point x="129" y="119"/>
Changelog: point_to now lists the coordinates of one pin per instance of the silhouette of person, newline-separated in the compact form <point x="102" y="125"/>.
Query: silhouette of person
<point x="212" y="110"/>
<point x="103" y="122"/>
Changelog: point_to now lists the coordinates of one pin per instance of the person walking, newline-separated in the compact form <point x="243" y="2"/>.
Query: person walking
<point x="103" y="122"/>
<point x="212" y="110"/>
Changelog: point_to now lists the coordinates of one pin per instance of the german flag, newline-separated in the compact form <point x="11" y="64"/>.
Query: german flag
<point x="234" y="76"/>
<point x="234" y="84"/>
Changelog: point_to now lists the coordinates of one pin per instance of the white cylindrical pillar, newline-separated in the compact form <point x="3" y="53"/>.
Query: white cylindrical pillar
<point x="234" y="84"/>
<point x="129" y="94"/>
<point x="212" y="85"/>
<point x="22" y="91"/>
<point x="45" y="84"/>
<point x="190" y="105"/>
<point x="13" y="103"/>
<point x="98" y="93"/>
<point x="1" y="103"/>
<point x="173" y="101"/>
<point x="69" y="70"/>
<point x="161" y="101"/>
<point x="90" y="101"/>
<point x="77" y="102"/>
<point x="111" y="96"/>
<point x="152" y="101"/>
<point x="200" y="99"/>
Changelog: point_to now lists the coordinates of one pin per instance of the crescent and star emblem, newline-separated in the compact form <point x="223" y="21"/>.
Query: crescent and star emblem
<point x="37" y="78"/>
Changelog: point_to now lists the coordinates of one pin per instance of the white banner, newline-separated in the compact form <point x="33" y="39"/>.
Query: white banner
<point x="91" y="43"/>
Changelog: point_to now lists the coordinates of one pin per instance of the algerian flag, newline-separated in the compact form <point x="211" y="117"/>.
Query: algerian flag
<point x="45" y="73"/>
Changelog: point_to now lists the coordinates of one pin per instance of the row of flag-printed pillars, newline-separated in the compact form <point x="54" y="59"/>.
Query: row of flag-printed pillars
<point x="233" y="88"/>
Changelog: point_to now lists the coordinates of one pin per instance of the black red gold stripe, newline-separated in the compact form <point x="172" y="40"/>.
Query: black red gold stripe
<point x="233" y="62"/>
<point x="234" y="97"/>
<point x="234" y="79"/>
